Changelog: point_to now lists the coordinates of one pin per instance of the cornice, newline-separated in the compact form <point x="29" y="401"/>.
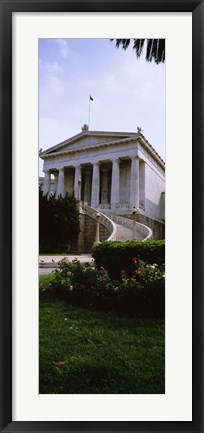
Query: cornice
<point x="95" y="146"/>
<point x="137" y="137"/>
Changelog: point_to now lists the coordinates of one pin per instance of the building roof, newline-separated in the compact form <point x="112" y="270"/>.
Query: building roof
<point x="91" y="139"/>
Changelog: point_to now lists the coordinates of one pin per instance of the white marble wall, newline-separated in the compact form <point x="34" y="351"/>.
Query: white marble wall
<point x="154" y="187"/>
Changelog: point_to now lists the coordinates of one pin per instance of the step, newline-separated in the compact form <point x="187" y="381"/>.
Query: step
<point x="125" y="233"/>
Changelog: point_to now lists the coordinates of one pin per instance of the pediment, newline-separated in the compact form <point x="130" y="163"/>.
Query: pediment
<point x="84" y="140"/>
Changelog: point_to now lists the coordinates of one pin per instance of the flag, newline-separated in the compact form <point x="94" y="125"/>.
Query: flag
<point x="91" y="98"/>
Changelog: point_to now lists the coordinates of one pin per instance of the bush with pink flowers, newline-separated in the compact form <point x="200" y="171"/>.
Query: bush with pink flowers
<point x="141" y="291"/>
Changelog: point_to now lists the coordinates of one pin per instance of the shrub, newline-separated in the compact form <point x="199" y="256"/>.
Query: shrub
<point x="141" y="292"/>
<point x="115" y="255"/>
<point x="58" y="223"/>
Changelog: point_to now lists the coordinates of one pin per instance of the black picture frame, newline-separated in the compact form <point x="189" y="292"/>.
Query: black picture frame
<point x="6" y="9"/>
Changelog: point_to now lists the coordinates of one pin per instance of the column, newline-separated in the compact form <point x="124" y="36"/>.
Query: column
<point x="104" y="186"/>
<point x="142" y="179"/>
<point x="115" y="184"/>
<point x="77" y="182"/>
<point x="134" y="183"/>
<point x="55" y="182"/>
<point x="60" y="183"/>
<point x="97" y="238"/>
<point x="95" y="185"/>
<point x="87" y="186"/>
<point x="46" y="187"/>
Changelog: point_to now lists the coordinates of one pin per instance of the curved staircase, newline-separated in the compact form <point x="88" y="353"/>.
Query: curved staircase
<point x="127" y="229"/>
<point x="121" y="229"/>
<point x="126" y="233"/>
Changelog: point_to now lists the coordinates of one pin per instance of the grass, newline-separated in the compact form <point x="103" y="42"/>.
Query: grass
<point x="84" y="352"/>
<point x="59" y="254"/>
<point x="45" y="279"/>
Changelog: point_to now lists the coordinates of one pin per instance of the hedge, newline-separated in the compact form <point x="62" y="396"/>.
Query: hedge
<point x="114" y="255"/>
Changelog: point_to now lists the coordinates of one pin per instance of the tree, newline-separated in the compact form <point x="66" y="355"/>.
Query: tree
<point x="58" y="222"/>
<point x="155" y="48"/>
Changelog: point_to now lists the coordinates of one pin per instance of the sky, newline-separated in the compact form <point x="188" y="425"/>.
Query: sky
<point x="127" y="92"/>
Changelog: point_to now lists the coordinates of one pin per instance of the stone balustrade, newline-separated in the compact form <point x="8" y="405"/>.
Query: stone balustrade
<point x="104" y="220"/>
<point x="141" y="228"/>
<point x="108" y="222"/>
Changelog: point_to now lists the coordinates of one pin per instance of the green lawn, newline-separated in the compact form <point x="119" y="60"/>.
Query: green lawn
<point x="59" y="254"/>
<point x="91" y="352"/>
<point x="45" y="279"/>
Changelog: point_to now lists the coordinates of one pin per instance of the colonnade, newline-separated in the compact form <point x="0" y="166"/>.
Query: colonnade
<point x="101" y="184"/>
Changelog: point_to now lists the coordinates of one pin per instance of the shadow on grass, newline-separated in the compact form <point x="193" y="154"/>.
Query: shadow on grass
<point x="83" y="352"/>
<point x="98" y="380"/>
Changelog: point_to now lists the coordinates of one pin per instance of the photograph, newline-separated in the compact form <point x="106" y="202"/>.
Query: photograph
<point x="102" y="216"/>
<point x="102" y="146"/>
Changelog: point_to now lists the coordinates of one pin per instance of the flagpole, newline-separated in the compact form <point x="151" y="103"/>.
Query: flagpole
<point x="89" y="113"/>
<point x="90" y="99"/>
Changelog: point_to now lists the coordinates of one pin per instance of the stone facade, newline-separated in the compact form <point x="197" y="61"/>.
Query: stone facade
<point x="84" y="242"/>
<point x="111" y="171"/>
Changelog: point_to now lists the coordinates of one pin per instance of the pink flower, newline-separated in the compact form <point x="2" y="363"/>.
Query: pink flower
<point x="137" y="272"/>
<point x="123" y="271"/>
<point x="134" y="260"/>
<point x="133" y="280"/>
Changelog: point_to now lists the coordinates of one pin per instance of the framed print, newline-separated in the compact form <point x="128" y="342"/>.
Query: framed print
<point x="61" y="64"/>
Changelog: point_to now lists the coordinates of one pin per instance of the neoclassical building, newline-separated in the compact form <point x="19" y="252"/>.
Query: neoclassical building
<point x="111" y="171"/>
